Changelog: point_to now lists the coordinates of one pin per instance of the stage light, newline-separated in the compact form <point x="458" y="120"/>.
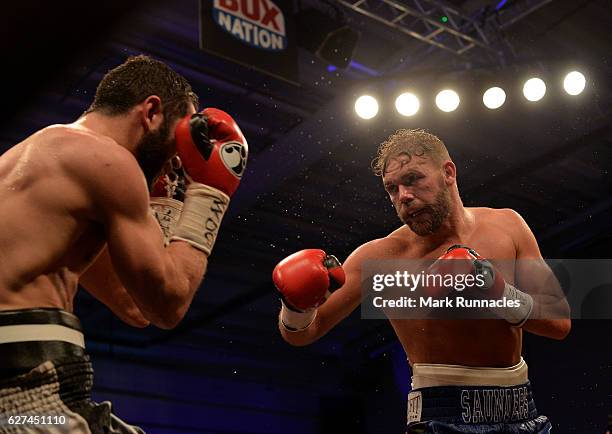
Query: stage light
<point x="366" y="107"/>
<point x="494" y="98"/>
<point x="534" y="89"/>
<point x="407" y="104"/>
<point x="447" y="100"/>
<point x="574" y="83"/>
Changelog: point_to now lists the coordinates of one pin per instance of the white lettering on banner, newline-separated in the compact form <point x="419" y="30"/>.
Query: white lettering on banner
<point x="259" y="23"/>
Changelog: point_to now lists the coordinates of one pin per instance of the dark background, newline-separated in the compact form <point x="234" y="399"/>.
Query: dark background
<point x="226" y="369"/>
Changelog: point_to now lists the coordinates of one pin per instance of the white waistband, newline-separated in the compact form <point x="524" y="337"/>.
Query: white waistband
<point x="40" y="332"/>
<point x="430" y="375"/>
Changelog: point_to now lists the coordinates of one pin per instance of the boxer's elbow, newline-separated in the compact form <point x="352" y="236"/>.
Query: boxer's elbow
<point x="557" y="329"/>
<point x="134" y="318"/>
<point x="166" y="319"/>
<point x="171" y="311"/>
<point x="561" y="329"/>
<point x="166" y="304"/>
<point x="165" y="323"/>
<point x="139" y="322"/>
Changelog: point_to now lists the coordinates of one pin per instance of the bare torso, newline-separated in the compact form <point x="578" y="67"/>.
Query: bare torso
<point x="48" y="234"/>
<point x="491" y="343"/>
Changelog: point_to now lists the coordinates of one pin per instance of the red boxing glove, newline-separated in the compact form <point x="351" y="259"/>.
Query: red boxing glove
<point x="304" y="280"/>
<point x="460" y="259"/>
<point x="213" y="153"/>
<point x="453" y="262"/>
<point x="494" y="286"/>
<point x="213" y="149"/>
<point x="473" y="263"/>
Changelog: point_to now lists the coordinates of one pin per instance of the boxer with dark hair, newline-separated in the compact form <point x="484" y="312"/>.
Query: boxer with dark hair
<point x="130" y="84"/>
<point x="76" y="208"/>
<point x="468" y="374"/>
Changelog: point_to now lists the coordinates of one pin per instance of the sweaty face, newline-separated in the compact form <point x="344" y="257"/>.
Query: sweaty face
<point x="157" y="147"/>
<point x="154" y="149"/>
<point x="419" y="194"/>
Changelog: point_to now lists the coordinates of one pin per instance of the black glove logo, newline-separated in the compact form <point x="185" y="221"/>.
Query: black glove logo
<point x="234" y="156"/>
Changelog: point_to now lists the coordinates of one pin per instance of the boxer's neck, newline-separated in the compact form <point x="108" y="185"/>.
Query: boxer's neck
<point x="126" y="130"/>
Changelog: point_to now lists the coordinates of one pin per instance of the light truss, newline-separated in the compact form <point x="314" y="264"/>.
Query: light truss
<point x="508" y="16"/>
<point x="421" y="19"/>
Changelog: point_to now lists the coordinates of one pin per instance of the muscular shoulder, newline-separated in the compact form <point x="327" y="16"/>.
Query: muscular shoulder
<point x="108" y="172"/>
<point x="509" y="222"/>
<point x="389" y="247"/>
<point x="507" y="218"/>
<point x="85" y="151"/>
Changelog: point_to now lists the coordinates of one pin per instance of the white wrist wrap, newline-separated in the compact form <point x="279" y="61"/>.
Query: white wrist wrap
<point x="294" y="321"/>
<point x="516" y="316"/>
<point x="167" y="212"/>
<point x="201" y="217"/>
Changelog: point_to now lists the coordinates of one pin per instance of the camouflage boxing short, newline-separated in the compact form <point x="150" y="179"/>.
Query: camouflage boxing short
<point x="46" y="378"/>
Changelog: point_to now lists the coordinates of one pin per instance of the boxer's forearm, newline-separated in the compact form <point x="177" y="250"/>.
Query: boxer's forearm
<point x="550" y="328"/>
<point x="161" y="280"/>
<point x="184" y="269"/>
<point x="550" y="306"/>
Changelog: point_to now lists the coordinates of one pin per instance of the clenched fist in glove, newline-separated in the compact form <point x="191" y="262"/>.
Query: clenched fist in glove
<point x="213" y="154"/>
<point x="493" y="284"/>
<point x="304" y="280"/>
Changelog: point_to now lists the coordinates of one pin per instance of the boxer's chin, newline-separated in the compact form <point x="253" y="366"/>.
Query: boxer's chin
<point x="421" y="228"/>
<point x="434" y="215"/>
<point x="152" y="153"/>
<point x="424" y="224"/>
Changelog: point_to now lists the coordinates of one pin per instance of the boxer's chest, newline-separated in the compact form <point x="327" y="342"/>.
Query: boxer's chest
<point x="492" y="241"/>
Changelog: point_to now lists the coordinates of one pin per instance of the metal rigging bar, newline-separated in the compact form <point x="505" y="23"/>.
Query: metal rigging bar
<point x="421" y="20"/>
<point x="459" y="34"/>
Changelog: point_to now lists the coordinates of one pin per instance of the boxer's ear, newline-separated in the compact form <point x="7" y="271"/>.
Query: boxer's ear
<point x="152" y="115"/>
<point x="449" y="171"/>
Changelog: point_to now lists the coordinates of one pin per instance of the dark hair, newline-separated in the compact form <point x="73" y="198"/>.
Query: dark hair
<point x="409" y="142"/>
<point x="138" y="78"/>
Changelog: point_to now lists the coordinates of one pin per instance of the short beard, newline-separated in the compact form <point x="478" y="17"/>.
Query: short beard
<point x="152" y="152"/>
<point x="438" y="212"/>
